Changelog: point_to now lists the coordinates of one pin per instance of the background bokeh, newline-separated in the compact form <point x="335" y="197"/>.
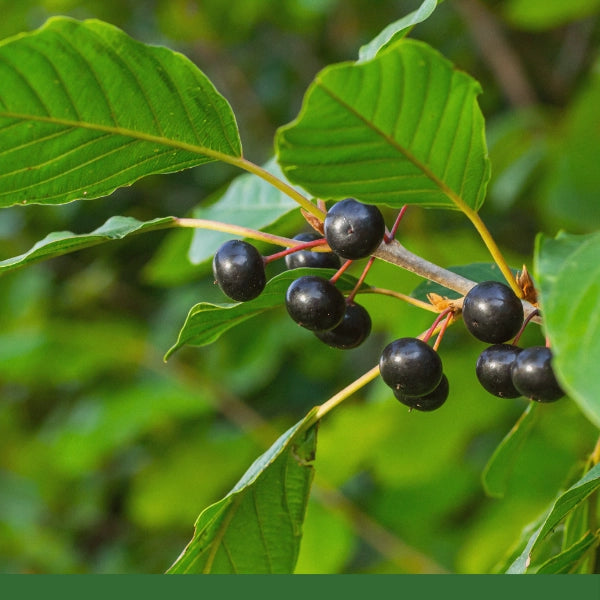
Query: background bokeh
<point x="108" y="454"/>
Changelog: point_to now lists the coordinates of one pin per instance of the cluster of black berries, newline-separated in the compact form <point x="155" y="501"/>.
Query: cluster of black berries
<point x="409" y="366"/>
<point x="353" y="230"/>
<point x="413" y="370"/>
<point x="493" y="314"/>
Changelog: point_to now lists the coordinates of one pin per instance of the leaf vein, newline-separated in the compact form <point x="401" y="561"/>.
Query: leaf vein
<point x="117" y="58"/>
<point x="392" y="142"/>
<point x="26" y="83"/>
<point x="93" y="75"/>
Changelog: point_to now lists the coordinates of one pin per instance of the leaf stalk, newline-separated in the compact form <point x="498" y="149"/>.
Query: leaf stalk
<point x="281" y="185"/>
<point x="493" y="249"/>
<point x="240" y="230"/>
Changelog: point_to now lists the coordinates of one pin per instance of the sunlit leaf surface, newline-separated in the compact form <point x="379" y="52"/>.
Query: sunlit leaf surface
<point x="85" y="109"/>
<point x="568" y="273"/>
<point x="402" y="128"/>
<point x="257" y="527"/>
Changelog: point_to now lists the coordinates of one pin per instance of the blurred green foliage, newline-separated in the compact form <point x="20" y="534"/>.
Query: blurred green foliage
<point x="107" y="454"/>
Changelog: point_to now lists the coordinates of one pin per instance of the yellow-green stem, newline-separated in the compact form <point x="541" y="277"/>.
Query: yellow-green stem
<point x="492" y="247"/>
<point x="356" y="385"/>
<point x="254" y="234"/>
<point x="345" y="393"/>
<point x="414" y="301"/>
<point x="281" y="185"/>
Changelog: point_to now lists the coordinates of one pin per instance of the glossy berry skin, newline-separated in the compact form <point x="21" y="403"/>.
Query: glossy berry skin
<point x="315" y="303"/>
<point x="307" y="258"/>
<point x="351" y="332"/>
<point x="533" y="376"/>
<point x="494" y="368"/>
<point x="428" y="402"/>
<point x="239" y="269"/>
<point x="410" y="367"/>
<point x="353" y="230"/>
<point x="492" y="312"/>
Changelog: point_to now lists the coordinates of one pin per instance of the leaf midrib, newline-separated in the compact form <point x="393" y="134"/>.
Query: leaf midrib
<point x="454" y="198"/>
<point x="125" y="132"/>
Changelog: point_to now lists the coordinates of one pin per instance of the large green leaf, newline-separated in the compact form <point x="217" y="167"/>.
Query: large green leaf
<point x="84" y="109"/>
<point x="568" y="501"/>
<point x="576" y="527"/>
<point x="498" y="469"/>
<point x="396" y="30"/>
<point x="207" y="322"/>
<point x="249" y="201"/>
<point x="402" y="128"/>
<point x="257" y="527"/>
<point x="568" y="273"/>
<point x="62" y="242"/>
<point x="569" y="559"/>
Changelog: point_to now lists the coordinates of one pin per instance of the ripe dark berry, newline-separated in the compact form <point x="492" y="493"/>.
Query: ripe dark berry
<point x="533" y="376"/>
<point x="354" y="230"/>
<point x="492" y="312"/>
<point x="494" y="367"/>
<point x="428" y="402"/>
<point x="351" y="332"/>
<point x="410" y="367"/>
<point x="315" y="303"/>
<point x="239" y="269"/>
<point x="307" y="258"/>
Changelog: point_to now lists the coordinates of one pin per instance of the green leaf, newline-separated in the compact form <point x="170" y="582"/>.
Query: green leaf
<point x="403" y="128"/>
<point x="249" y="201"/>
<point x="207" y="322"/>
<point x="576" y="525"/>
<point x="497" y="471"/>
<point x="84" y="109"/>
<point x="572" y="498"/>
<point x="396" y="30"/>
<point x="62" y="242"/>
<point x="257" y="527"/>
<point x="568" y="560"/>
<point x="568" y="274"/>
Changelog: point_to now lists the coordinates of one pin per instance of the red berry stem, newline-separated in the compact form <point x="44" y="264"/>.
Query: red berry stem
<point x="392" y="234"/>
<point x="360" y="281"/>
<point x="446" y="322"/>
<point x="299" y="246"/>
<point x="341" y="271"/>
<point x="438" y="319"/>
<point x="525" y="322"/>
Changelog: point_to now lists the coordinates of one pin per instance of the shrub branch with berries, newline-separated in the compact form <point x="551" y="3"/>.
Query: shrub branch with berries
<point x="397" y="128"/>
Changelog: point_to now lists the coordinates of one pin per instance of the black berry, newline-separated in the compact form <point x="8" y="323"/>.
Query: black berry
<point x="494" y="367"/>
<point x="410" y="367"/>
<point x="315" y="303"/>
<point x="351" y="332"/>
<point x="533" y="376"/>
<point x="428" y="402"/>
<point x="492" y="312"/>
<point x="307" y="258"/>
<point x="239" y="269"/>
<point x="354" y="230"/>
